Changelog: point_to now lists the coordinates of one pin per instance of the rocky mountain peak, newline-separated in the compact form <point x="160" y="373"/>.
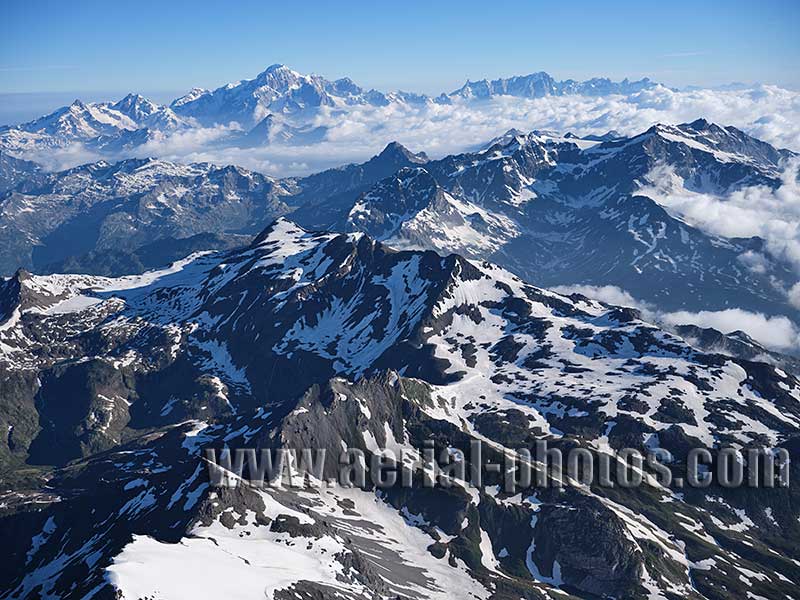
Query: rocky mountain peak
<point x="136" y="106"/>
<point x="275" y="67"/>
<point x="397" y="153"/>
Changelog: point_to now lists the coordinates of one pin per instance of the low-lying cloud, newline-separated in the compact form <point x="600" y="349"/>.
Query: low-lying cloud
<point x="778" y="333"/>
<point x="774" y="332"/>
<point x="610" y="294"/>
<point x="771" y="214"/>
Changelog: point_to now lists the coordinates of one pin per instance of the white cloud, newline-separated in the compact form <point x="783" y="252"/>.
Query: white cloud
<point x="183" y="142"/>
<point x="755" y="261"/>
<point x="610" y="294"/>
<point x="794" y="295"/>
<point x="779" y="333"/>
<point x="58" y="159"/>
<point x="773" y="215"/>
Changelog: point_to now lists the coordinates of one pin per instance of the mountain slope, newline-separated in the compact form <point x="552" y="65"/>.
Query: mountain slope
<point x="278" y="89"/>
<point x="315" y="340"/>
<point x="127" y="205"/>
<point x="15" y="170"/>
<point x="561" y="211"/>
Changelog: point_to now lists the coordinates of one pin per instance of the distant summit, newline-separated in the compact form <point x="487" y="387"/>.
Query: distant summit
<point x="538" y="85"/>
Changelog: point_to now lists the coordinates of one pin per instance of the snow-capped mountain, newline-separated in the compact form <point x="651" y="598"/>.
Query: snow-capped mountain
<point x="324" y="340"/>
<point x="87" y="121"/>
<point x="541" y="84"/>
<point x="117" y="218"/>
<point x="279" y="89"/>
<point x="103" y="126"/>
<point x="80" y="121"/>
<point x="410" y="209"/>
<point x="276" y="90"/>
<point x="278" y="106"/>
<point x="137" y="107"/>
<point x="117" y="208"/>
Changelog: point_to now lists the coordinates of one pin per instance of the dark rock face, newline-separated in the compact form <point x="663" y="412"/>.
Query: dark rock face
<point x="325" y="198"/>
<point x="113" y="389"/>
<point x="112" y="262"/>
<point x="587" y="543"/>
<point x="15" y="170"/>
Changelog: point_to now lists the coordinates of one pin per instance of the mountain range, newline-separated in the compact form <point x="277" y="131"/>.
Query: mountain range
<point x="117" y="208"/>
<point x="559" y="211"/>
<point x="541" y="84"/>
<point x="113" y="388"/>
<point x="278" y="106"/>
<point x="555" y="210"/>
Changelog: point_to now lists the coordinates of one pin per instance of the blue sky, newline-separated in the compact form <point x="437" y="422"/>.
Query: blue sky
<point x="88" y="48"/>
